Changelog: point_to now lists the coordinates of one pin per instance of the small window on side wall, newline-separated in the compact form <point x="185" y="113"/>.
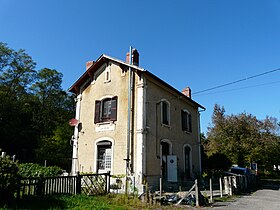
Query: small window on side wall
<point x="186" y="121"/>
<point x="165" y="113"/>
<point x="106" y="110"/>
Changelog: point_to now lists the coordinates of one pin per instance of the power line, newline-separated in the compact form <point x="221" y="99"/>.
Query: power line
<point x="241" y="88"/>
<point x="237" y="81"/>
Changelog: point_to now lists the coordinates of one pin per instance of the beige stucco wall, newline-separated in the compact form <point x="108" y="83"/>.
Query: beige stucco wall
<point x="146" y="142"/>
<point x="98" y="89"/>
<point x="173" y="133"/>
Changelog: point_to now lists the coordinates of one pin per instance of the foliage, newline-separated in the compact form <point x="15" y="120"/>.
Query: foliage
<point x="55" y="149"/>
<point x="243" y="138"/>
<point x="35" y="170"/>
<point x="34" y="110"/>
<point x="8" y="178"/>
<point x="216" y="164"/>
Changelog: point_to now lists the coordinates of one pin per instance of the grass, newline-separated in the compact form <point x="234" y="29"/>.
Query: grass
<point x="83" y="202"/>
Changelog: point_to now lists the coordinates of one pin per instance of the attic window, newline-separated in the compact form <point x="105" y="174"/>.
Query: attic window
<point x="107" y="74"/>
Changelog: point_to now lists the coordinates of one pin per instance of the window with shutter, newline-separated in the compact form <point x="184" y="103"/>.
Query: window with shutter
<point x="106" y="110"/>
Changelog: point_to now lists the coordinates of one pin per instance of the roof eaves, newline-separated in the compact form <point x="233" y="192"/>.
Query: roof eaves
<point x="101" y="58"/>
<point x="174" y="89"/>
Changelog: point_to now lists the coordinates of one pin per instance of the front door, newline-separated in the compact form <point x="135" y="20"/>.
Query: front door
<point x="104" y="157"/>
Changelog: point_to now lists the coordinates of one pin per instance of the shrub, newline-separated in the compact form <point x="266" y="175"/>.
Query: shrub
<point x="8" y="179"/>
<point x="36" y="170"/>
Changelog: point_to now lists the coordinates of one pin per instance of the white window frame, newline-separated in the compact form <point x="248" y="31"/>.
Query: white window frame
<point x="95" y="167"/>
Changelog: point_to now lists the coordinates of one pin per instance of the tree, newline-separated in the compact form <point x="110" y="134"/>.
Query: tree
<point x="242" y="138"/>
<point x="33" y="109"/>
<point x="54" y="108"/>
<point x="16" y="74"/>
<point x="16" y="71"/>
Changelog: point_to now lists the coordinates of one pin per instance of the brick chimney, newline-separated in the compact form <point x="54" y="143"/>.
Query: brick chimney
<point x="135" y="57"/>
<point x="187" y="92"/>
<point x="89" y="64"/>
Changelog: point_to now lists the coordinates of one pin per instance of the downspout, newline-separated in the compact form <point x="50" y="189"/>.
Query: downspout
<point x="75" y="137"/>
<point x="199" y="140"/>
<point x="129" y="112"/>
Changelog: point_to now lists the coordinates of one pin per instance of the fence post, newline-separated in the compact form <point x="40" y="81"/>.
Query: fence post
<point x="226" y="185"/>
<point x="160" y="187"/>
<point x="221" y="186"/>
<point x="196" y="194"/>
<point x="230" y="185"/>
<point x="211" y="191"/>
<point x="78" y="183"/>
<point x="108" y="182"/>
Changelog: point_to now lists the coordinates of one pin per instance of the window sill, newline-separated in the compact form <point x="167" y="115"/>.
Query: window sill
<point x="166" y="126"/>
<point x="187" y="132"/>
<point x="105" y="123"/>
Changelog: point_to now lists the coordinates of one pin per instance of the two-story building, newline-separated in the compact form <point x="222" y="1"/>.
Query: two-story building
<point x="131" y="122"/>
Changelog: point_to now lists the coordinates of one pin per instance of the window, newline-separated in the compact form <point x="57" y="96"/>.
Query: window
<point x="104" y="156"/>
<point x="165" y="113"/>
<point x="108" y="74"/>
<point x="186" y="121"/>
<point x="106" y="110"/>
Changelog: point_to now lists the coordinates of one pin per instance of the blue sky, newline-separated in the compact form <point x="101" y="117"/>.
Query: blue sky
<point x="196" y="43"/>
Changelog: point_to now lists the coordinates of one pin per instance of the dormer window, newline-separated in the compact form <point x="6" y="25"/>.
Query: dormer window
<point x="106" y="110"/>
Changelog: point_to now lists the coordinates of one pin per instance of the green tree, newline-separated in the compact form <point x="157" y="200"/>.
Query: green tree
<point x="54" y="109"/>
<point x="33" y="109"/>
<point x="242" y="138"/>
<point x="16" y="74"/>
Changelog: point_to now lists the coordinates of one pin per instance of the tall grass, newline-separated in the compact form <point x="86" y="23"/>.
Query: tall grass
<point x="81" y="202"/>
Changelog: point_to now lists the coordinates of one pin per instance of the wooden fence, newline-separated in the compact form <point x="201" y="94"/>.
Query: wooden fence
<point x="89" y="184"/>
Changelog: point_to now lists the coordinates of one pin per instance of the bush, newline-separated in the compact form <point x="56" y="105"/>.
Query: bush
<point x="35" y="170"/>
<point x="8" y="179"/>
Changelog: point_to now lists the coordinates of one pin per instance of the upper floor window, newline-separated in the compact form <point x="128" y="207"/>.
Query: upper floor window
<point x="107" y="74"/>
<point x="106" y="110"/>
<point x="165" y="112"/>
<point x="186" y="121"/>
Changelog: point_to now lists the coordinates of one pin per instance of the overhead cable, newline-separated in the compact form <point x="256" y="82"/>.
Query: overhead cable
<point x="237" y="81"/>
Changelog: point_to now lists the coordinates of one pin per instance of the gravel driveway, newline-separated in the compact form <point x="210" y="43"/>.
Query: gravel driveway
<point x="268" y="197"/>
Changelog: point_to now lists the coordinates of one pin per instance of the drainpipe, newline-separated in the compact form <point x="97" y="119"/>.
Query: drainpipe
<point x="75" y="137"/>
<point x="199" y="140"/>
<point x="128" y="117"/>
